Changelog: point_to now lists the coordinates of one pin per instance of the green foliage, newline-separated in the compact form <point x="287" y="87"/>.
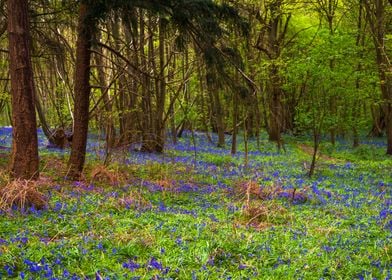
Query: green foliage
<point x="187" y="227"/>
<point x="186" y="215"/>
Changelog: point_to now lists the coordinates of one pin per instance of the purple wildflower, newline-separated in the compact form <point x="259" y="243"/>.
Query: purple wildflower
<point x="154" y="264"/>
<point x="131" y="265"/>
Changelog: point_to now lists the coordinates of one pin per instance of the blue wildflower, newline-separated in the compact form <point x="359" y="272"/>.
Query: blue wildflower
<point x="9" y="269"/>
<point x="242" y="266"/>
<point x="66" y="273"/>
<point x="100" y="246"/>
<point x="213" y="218"/>
<point x="162" y="207"/>
<point x="179" y="241"/>
<point x="154" y="264"/>
<point x="131" y="265"/>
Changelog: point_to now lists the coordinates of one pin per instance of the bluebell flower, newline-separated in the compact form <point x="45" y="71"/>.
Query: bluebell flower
<point x="242" y="266"/>
<point x="100" y="246"/>
<point x="328" y="249"/>
<point x="9" y="269"/>
<point x="131" y="265"/>
<point x="384" y="213"/>
<point x="389" y="225"/>
<point x="162" y="207"/>
<point x="66" y="273"/>
<point x="48" y="271"/>
<point x="154" y="264"/>
<point x="33" y="266"/>
<point x="213" y="218"/>
<point x="59" y="206"/>
<point x="348" y="165"/>
<point x="179" y="241"/>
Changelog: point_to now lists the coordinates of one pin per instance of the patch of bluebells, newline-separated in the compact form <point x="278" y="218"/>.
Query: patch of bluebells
<point x="385" y="216"/>
<point x="131" y="265"/>
<point x="265" y="167"/>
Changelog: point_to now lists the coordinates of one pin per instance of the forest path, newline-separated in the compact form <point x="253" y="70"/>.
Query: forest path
<point x="308" y="149"/>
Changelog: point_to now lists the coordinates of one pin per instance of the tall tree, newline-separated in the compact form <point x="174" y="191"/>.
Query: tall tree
<point x="24" y="160"/>
<point x="379" y="22"/>
<point x="327" y="9"/>
<point x="200" y="19"/>
<point x="271" y="41"/>
<point x="82" y="92"/>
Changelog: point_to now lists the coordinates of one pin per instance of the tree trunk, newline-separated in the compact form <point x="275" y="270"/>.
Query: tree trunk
<point x="148" y="142"/>
<point x="360" y="42"/>
<point x="376" y="16"/>
<point x="24" y="160"/>
<point x="275" y="118"/>
<point x="316" y="144"/>
<point x="132" y="118"/>
<point x="171" y="76"/>
<point x="161" y="93"/>
<point x="123" y="96"/>
<point x="235" y="123"/>
<point x="271" y="41"/>
<point x="82" y="93"/>
<point x="217" y="110"/>
<point x="107" y="118"/>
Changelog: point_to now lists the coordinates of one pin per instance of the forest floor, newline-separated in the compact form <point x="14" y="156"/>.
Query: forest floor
<point x="196" y="212"/>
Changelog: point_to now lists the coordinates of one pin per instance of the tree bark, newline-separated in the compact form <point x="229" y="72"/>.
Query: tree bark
<point x="235" y="123"/>
<point x="376" y="16"/>
<point x="148" y="142"/>
<point x="360" y="42"/>
<point x="161" y="96"/>
<point x="271" y="42"/>
<point x="218" y="115"/>
<point x="82" y="93"/>
<point x="24" y="160"/>
<point x="275" y="105"/>
<point x="107" y="120"/>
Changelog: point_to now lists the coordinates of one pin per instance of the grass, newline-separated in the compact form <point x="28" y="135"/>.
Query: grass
<point x="207" y="216"/>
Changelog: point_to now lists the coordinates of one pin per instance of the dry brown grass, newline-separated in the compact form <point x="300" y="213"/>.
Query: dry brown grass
<point x="134" y="200"/>
<point x="264" y="215"/>
<point x="165" y="183"/>
<point x="22" y="194"/>
<point x="259" y="210"/>
<point x="249" y="190"/>
<point x="105" y="175"/>
<point x="252" y="190"/>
